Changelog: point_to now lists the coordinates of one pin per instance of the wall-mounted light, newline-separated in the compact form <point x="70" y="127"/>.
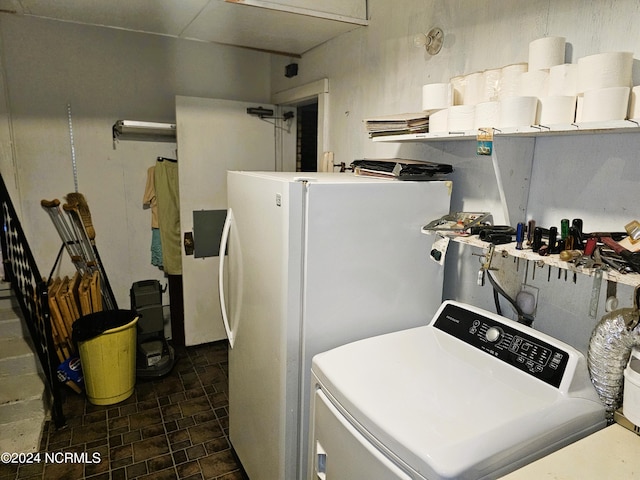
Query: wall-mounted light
<point x="431" y="42"/>
<point x="135" y="130"/>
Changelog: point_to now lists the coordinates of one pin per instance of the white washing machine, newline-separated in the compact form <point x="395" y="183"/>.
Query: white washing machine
<point x="471" y="395"/>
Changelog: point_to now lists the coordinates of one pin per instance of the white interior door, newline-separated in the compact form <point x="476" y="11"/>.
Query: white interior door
<point x="215" y="136"/>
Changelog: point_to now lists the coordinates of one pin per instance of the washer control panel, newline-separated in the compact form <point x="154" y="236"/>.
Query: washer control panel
<point x="504" y="342"/>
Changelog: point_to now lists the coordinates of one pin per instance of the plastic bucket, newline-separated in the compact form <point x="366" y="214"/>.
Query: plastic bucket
<point x="109" y="361"/>
<point x="631" y="395"/>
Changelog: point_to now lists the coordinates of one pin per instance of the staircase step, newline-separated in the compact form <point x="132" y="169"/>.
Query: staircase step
<point x="8" y="301"/>
<point x="22" y="410"/>
<point x="7" y="298"/>
<point x="12" y="326"/>
<point x="24" y="399"/>
<point x="17" y="357"/>
<point x="11" y="323"/>
<point x="22" y="436"/>
<point x="20" y="388"/>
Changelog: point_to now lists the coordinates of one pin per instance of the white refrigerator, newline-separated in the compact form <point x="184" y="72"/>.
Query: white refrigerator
<point x="314" y="261"/>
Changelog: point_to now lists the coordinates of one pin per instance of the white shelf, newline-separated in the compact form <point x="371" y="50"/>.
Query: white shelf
<point x="617" y="126"/>
<point x="632" y="279"/>
<point x="515" y="161"/>
<point x="513" y="192"/>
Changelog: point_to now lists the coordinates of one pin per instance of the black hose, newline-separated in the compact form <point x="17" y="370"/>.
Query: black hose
<point x="497" y="289"/>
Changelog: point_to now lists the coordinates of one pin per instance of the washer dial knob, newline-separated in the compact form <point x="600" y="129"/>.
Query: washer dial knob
<point x="493" y="334"/>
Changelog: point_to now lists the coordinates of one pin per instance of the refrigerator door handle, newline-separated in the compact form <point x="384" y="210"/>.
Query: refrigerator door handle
<point x="223" y="246"/>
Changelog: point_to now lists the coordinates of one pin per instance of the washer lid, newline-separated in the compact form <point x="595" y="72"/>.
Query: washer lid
<point x="445" y="409"/>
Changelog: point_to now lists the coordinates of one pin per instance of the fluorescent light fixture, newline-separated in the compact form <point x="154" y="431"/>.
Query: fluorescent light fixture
<point x="125" y="127"/>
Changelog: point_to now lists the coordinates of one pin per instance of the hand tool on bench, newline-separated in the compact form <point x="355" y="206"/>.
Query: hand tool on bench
<point x="633" y="259"/>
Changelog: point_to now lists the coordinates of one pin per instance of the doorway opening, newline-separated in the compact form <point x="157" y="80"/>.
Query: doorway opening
<point x="313" y="97"/>
<point x="307" y="138"/>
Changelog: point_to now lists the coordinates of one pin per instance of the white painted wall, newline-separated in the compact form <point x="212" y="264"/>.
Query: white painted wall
<point x="376" y="70"/>
<point x="105" y="75"/>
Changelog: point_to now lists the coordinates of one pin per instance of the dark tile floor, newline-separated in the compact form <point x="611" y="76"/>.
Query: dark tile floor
<point x="170" y="428"/>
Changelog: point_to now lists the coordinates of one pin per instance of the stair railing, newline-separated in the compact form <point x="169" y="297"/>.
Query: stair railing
<point x="31" y="292"/>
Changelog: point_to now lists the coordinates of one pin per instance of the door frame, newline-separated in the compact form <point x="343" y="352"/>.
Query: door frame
<point x="318" y="90"/>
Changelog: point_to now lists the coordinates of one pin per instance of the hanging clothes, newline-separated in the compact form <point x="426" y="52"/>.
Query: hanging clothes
<point x="168" y="197"/>
<point x="149" y="200"/>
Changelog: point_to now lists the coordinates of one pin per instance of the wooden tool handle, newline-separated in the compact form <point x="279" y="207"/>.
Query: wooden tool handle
<point x="610" y="242"/>
<point x="568" y="255"/>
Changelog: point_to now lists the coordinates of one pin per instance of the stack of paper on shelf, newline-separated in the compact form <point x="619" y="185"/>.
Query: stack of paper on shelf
<point x="400" y="124"/>
<point x="400" y="169"/>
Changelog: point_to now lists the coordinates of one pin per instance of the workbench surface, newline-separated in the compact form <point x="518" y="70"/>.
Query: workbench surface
<point x="613" y="452"/>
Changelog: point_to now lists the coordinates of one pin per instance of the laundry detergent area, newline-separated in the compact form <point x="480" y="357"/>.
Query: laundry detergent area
<point x="406" y="249"/>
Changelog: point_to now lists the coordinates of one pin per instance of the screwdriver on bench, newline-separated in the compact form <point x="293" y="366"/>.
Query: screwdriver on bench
<point x="633" y="259"/>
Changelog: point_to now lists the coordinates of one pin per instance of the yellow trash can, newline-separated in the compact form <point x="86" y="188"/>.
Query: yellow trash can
<point x="107" y="346"/>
